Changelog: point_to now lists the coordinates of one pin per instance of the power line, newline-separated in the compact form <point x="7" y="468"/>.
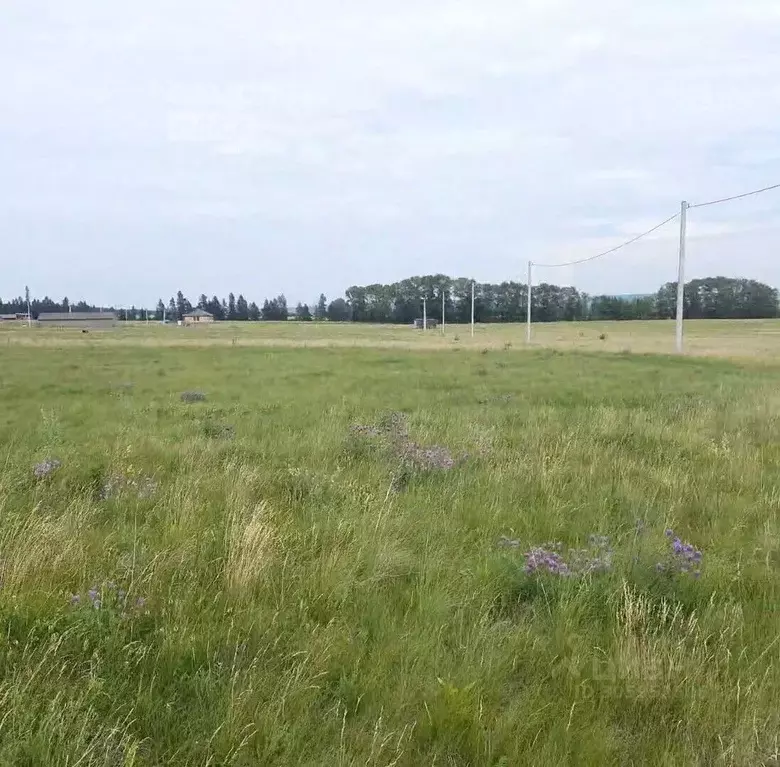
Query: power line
<point x="735" y="197"/>
<point x="616" y="248"/>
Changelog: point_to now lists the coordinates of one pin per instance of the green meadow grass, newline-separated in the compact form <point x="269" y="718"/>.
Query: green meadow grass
<point x="299" y="607"/>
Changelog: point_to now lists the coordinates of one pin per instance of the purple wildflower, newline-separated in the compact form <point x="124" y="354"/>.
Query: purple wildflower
<point x="668" y="532"/>
<point x="140" y="602"/>
<point x="46" y="468"/>
<point x="683" y="557"/>
<point x="542" y="560"/>
<point x="75" y="599"/>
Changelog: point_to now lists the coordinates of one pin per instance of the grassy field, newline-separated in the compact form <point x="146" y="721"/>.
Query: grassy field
<point x="757" y="339"/>
<point x="322" y="562"/>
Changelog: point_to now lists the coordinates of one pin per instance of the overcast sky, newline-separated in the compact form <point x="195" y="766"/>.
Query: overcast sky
<point x="307" y="145"/>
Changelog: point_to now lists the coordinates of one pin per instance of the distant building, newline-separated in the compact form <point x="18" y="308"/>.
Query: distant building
<point x="428" y="324"/>
<point x="198" y="317"/>
<point x="82" y="320"/>
<point x="18" y="317"/>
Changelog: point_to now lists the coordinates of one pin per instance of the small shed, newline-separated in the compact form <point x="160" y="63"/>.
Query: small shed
<point x="82" y="320"/>
<point x="428" y="324"/>
<point x="198" y="317"/>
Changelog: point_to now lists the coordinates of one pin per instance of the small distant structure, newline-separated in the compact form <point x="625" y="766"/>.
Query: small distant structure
<point x="81" y="320"/>
<point x="198" y="317"/>
<point x="13" y="317"/>
<point x="428" y="324"/>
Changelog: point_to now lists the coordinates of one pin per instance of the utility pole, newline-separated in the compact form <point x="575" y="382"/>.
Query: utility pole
<point x="425" y="313"/>
<point x="29" y="312"/>
<point x="472" y="307"/>
<point x="528" y="308"/>
<point x="443" y="298"/>
<point x="681" y="275"/>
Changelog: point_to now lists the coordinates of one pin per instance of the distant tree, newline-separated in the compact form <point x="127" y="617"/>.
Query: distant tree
<point x="173" y="312"/>
<point x="160" y="311"/>
<point x="254" y="312"/>
<point x="242" y="309"/>
<point x="281" y="303"/>
<point x="203" y="302"/>
<point x="183" y="306"/>
<point x="666" y="301"/>
<point x="215" y="307"/>
<point x="303" y="313"/>
<point x="65" y="304"/>
<point x="729" y="298"/>
<point x="339" y="311"/>
<point x="275" y="310"/>
<point x="231" y="312"/>
<point x="321" y="310"/>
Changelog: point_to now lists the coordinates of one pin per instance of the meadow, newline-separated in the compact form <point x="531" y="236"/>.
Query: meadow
<point x="276" y="545"/>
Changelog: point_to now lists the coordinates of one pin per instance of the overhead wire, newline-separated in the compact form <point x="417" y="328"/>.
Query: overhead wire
<point x="734" y="197"/>
<point x="612" y="250"/>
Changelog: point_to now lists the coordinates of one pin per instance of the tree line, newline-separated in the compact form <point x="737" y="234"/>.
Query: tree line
<point x="402" y="303"/>
<point x="709" y="298"/>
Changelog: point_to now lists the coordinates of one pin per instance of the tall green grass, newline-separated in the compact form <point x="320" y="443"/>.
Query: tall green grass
<point x="298" y="606"/>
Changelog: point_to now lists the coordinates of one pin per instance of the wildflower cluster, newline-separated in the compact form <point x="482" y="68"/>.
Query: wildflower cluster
<point x="681" y="557"/>
<point x="412" y="455"/>
<point x="551" y="558"/>
<point x="111" y="597"/>
<point x="546" y="559"/>
<point x="46" y="468"/>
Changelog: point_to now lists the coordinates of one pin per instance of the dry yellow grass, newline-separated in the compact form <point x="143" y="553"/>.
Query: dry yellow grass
<point x="722" y="338"/>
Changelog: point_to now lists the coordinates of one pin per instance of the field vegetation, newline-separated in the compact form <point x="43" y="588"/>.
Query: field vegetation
<point x="307" y="545"/>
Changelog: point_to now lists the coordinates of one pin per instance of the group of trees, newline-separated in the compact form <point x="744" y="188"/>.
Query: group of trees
<point x="19" y="306"/>
<point x="237" y="309"/>
<point x="233" y="309"/>
<point x="402" y="303"/>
